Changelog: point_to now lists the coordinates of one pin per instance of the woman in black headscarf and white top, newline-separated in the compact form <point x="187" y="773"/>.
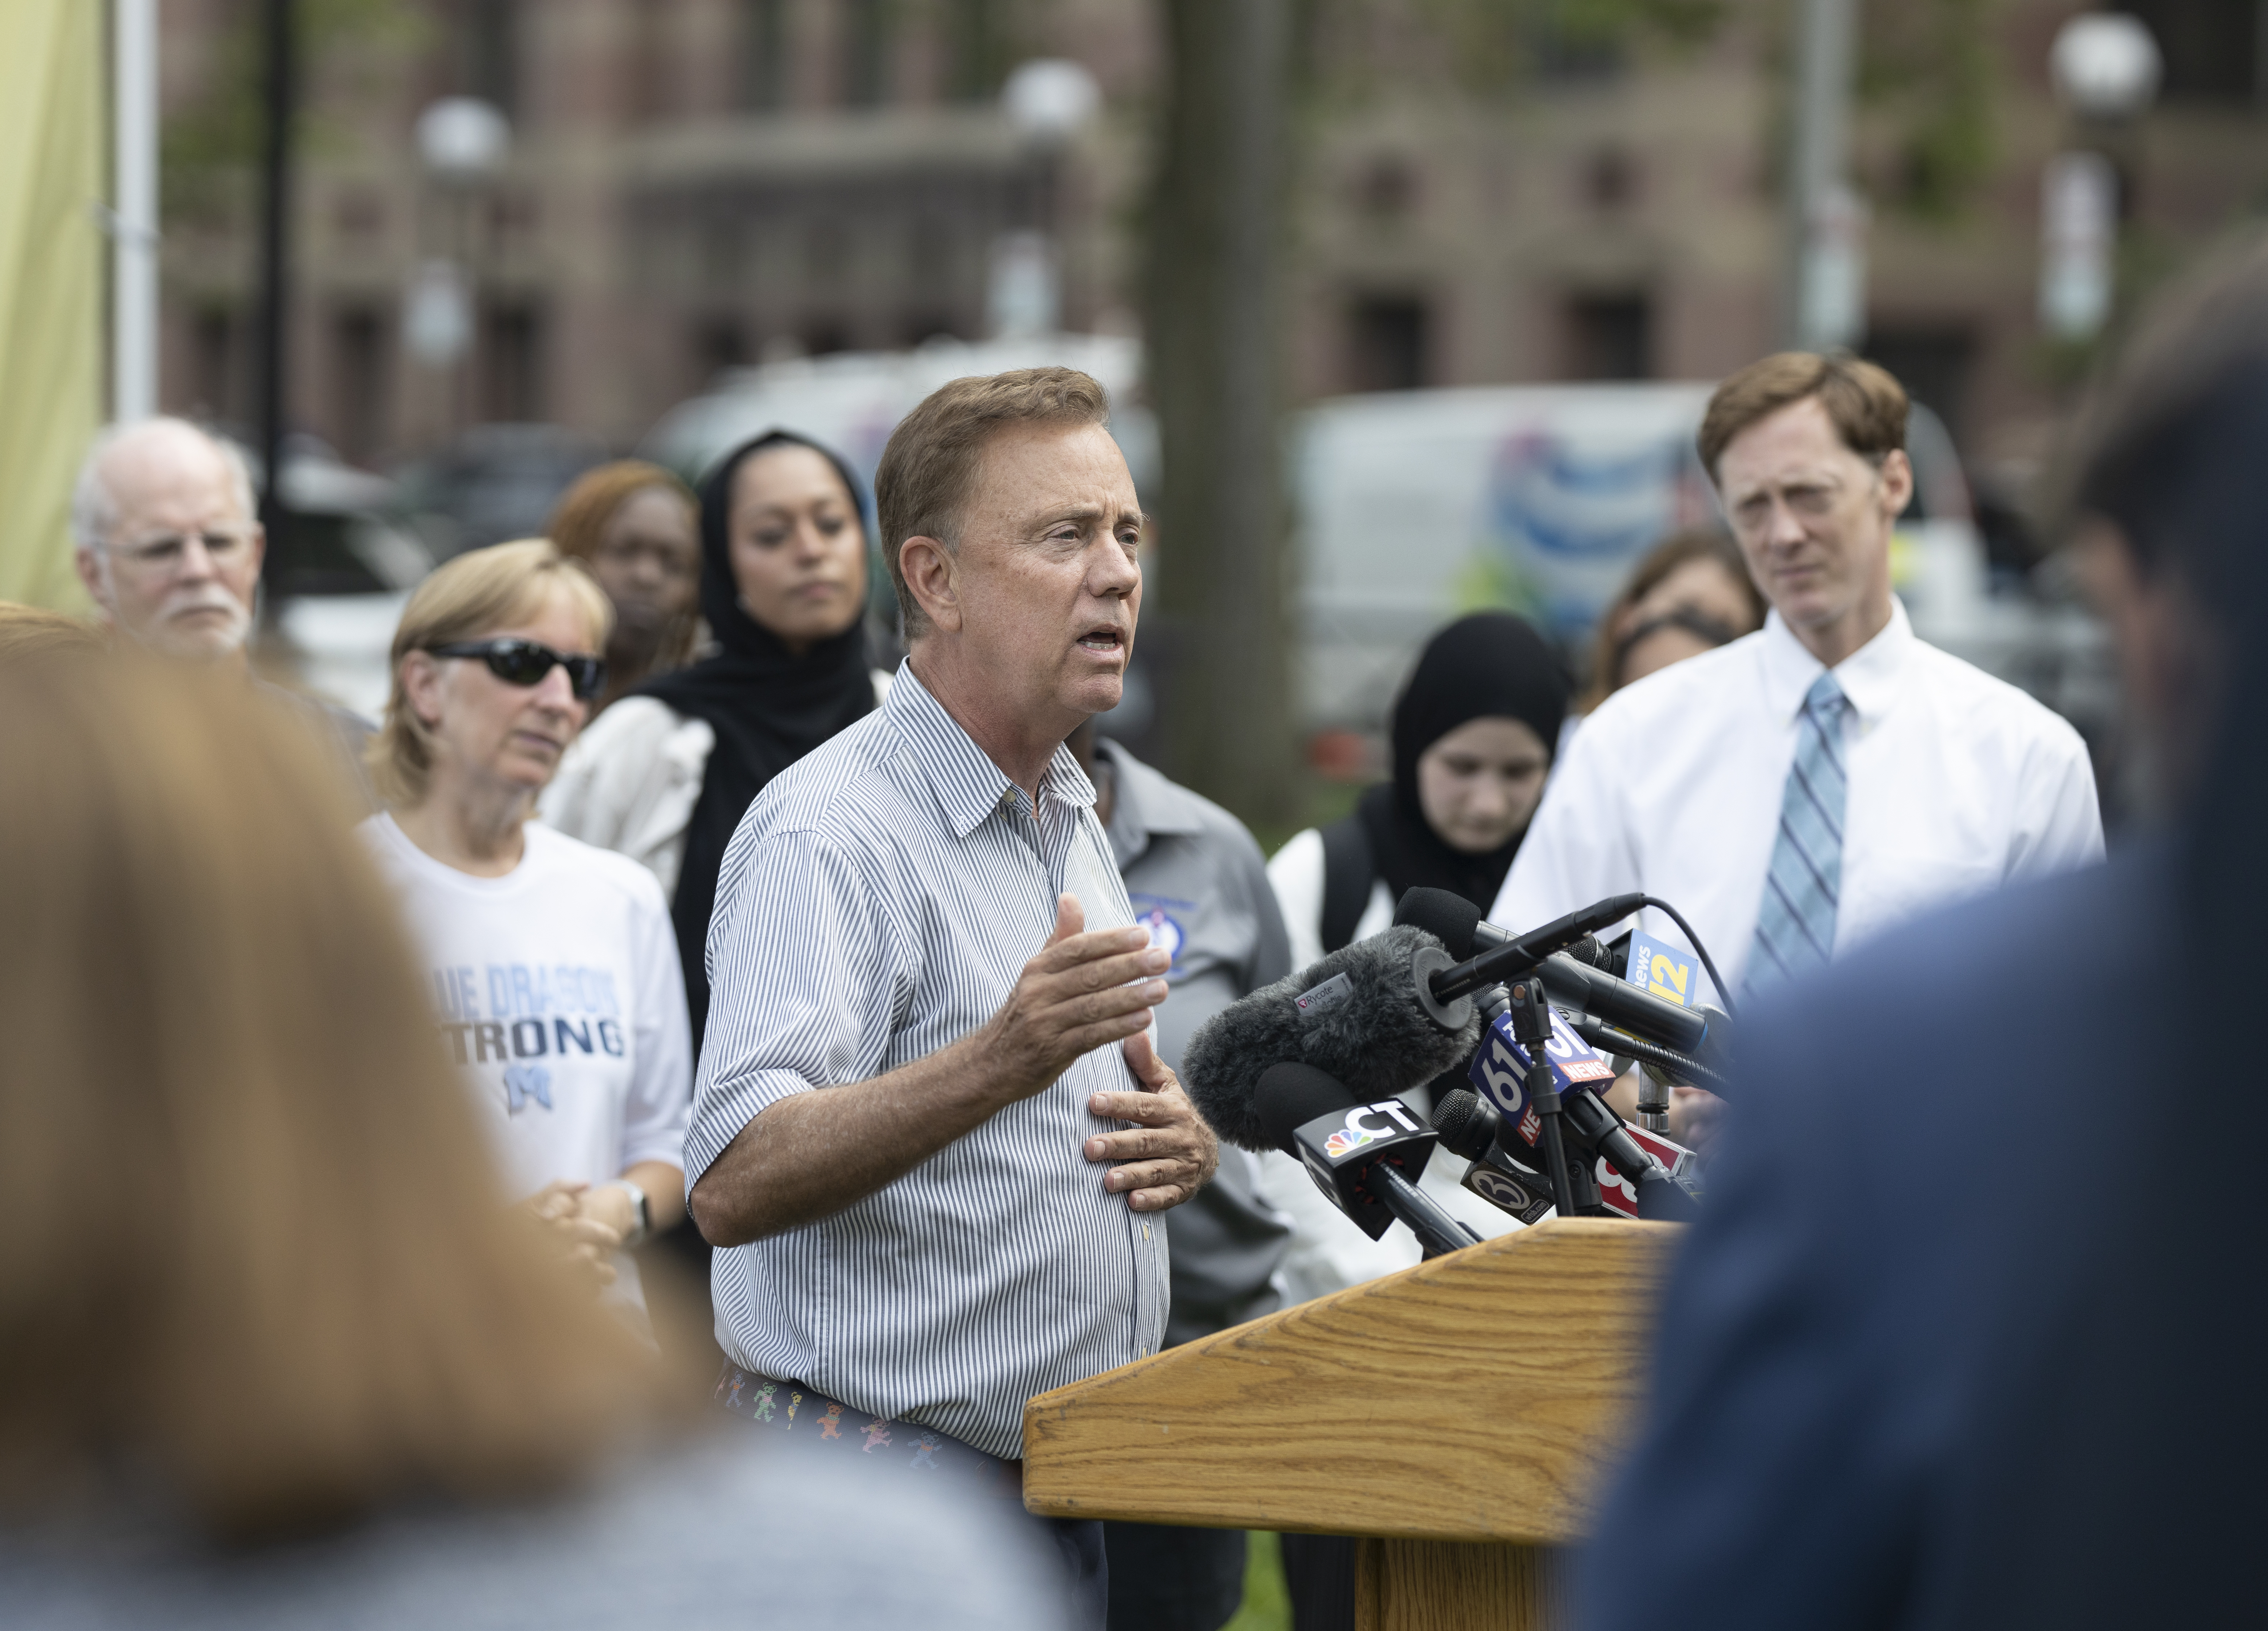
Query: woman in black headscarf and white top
<point x="664" y="775"/>
<point x="1474" y="733"/>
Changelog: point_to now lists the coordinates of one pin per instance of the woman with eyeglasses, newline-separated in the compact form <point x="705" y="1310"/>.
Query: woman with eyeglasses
<point x="551" y="965"/>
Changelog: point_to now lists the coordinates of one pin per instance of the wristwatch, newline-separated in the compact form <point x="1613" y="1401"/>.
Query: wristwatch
<point x="644" y="1212"/>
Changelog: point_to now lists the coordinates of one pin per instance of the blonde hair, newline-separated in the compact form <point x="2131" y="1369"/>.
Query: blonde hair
<point x="255" y="1241"/>
<point x="476" y="593"/>
<point x="931" y="462"/>
<point x="28" y="633"/>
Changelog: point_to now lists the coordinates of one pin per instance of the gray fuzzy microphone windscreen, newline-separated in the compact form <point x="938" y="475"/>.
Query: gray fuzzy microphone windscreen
<point x="1355" y="1014"/>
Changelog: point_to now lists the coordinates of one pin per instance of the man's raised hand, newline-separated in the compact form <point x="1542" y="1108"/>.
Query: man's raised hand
<point x="1082" y="992"/>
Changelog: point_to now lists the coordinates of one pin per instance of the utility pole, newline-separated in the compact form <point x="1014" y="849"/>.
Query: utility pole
<point x="134" y="265"/>
<point x="280" y="48"/>
<point x="1216" y="348"/>
<point x="1826" y="303"/>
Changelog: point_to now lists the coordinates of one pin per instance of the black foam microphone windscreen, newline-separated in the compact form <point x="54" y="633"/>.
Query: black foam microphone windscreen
<point x="1439" y="912"/>
<point x="1355" y="1015"/>
<point x="1289" y="1096"/>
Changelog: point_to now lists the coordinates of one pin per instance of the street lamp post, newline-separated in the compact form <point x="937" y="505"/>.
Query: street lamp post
<point x="275" y="276"/>
<point x="1047" y="102"/>
<point x="2104" y="66"/>
<point x="461" y="142"/>
<point x="1827" y="220"/>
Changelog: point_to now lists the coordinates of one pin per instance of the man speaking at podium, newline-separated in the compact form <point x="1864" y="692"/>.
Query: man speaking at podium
<point x="1830" y="775"/>
<point x="932" y="1003"/>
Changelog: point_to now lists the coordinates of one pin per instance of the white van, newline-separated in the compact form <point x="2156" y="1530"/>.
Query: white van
<point x="1414" y="506"/>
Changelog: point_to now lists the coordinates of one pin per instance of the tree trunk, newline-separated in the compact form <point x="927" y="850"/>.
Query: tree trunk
<point x="1215" y="264"/>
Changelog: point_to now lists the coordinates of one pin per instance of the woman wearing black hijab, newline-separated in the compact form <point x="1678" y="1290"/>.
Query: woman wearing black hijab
<point x="664" y="775"/>
<point x="1474" y="732"/>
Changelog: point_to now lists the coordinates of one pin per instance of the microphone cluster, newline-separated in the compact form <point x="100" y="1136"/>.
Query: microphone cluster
<point x="1315" y="1065"/>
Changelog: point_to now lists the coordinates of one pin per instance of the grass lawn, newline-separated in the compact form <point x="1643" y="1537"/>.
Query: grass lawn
<point x="1267" y="1608"/>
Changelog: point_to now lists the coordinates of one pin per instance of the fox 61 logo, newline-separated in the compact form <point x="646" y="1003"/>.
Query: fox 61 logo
<point x="1499" y="1070"/>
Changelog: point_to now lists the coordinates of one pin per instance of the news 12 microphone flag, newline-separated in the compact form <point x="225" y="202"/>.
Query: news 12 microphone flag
<point x="1660" y="970"/>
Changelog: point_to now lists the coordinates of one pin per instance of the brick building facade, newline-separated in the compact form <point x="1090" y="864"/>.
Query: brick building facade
<point x="697" y="183"/>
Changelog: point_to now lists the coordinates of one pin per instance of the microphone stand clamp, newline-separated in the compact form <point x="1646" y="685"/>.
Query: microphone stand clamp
<point x="1531" y="1027"/>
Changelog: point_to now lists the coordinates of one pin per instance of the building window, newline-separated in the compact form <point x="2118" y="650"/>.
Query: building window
<point x="2210" y="47"/>
<point x="511" y="357"/>
<point x="763" y="54"/>
<point x="1610" y="336"/>
<point x="1933" y="361"/>
<point x="488" y="52"/>
<point x="719" y="343"/>
<point x="213" y="342"/>
<point x="361" y="378"/>
<point x="1568" y="52"/>
<point x="1388" y="342"/>
<point x="865" y="52"/>
<point x="1387" y="187"/>
<point x="976" y="50"/>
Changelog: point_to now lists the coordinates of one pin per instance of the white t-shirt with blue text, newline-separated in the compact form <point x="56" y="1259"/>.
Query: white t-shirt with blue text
<point x="557" y="992"/>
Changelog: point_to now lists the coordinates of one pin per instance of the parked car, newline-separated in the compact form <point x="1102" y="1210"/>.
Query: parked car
<point x="493" y="483"/>
<point x="338" y="574"/>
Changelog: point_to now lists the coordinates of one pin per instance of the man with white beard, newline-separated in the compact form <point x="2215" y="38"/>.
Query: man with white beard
<point x="170" y="548"/>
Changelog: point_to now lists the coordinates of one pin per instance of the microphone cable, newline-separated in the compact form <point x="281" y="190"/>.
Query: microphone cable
<point x="1724" y="991"/>
<point x="1614" y="1039"/>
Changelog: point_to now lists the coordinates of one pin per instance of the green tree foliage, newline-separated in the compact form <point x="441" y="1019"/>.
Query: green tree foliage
<point x="1925" y="81"/>
<point x="211" y="144"/>
<point x="1502" y="45"/>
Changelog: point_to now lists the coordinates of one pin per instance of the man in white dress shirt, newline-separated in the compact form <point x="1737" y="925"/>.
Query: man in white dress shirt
<point x="1816" y="782"/>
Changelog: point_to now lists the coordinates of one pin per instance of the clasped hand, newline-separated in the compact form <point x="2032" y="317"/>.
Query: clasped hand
<point x="571" y="1216"/>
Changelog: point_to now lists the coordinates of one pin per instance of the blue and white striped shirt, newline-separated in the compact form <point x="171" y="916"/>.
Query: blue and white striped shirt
<point x="877" y="904"/>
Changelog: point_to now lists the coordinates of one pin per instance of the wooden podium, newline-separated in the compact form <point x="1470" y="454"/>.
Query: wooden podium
<point x="1459" y="1416"/>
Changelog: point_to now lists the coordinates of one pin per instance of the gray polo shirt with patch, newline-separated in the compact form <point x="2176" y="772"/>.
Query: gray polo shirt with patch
<point x="1196" y="879"/>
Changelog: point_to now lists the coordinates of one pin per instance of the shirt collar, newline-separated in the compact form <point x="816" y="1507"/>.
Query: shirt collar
<point x="1868" y="676"/>
<point x="1144" y="797"/>
<point x="1143" y="805"/>
<point x="969" y="787"/>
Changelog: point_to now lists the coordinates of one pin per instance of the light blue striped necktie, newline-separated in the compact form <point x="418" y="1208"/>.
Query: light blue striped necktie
<point x="1795" y="922"/>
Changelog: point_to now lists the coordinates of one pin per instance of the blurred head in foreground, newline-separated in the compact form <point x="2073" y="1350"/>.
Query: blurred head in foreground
<point x="28" y="633"/>
<point x="635" y="526"/>
<point x="2163" y="496"/>
<point x="1926" y="1383"/>
<point x="297" y="1295"/>
<point x="169" y="540"/>
<point x="1690" y="593"/>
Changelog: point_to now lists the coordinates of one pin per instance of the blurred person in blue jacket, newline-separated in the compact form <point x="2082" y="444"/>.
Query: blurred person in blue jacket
<point x="1967" y="1333"/>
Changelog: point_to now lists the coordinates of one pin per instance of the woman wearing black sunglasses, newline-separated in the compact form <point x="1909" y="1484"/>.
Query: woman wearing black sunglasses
<point x="552" y="965"/>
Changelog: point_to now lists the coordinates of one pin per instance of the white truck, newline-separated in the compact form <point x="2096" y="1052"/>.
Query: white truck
<point x="1415" y="506"/>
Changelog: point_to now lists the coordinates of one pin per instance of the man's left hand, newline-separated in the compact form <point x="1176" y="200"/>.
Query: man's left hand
<point x="1171" y="1153"/>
